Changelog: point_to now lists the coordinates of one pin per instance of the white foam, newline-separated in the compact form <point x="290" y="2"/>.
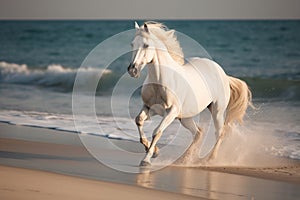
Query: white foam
<point x="124" y="129"/>
<point x="255" y="143"/>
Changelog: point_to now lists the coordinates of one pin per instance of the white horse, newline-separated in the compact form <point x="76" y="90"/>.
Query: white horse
<point x="176" y="89"/>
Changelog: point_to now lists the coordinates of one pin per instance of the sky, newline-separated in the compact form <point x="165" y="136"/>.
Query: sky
<point x="150" y="9"/>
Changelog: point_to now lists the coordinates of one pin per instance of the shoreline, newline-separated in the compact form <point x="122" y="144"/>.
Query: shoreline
<point x="62" y="152"/>
<point x="290" y="174"/>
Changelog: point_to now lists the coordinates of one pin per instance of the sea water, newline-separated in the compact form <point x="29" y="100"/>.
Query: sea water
<point x="39" y="61"/>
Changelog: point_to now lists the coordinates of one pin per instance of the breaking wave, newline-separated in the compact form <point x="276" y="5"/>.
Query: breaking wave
<point x="53" y="76"/>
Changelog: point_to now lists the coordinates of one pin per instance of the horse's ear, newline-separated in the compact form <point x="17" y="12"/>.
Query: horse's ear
<point x="137" y="27"/>
<point x="171" y="33"/>
<point x="146" y="28"/>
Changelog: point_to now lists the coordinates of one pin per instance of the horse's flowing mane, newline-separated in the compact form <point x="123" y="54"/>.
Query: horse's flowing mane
<point x="168" y="38"/>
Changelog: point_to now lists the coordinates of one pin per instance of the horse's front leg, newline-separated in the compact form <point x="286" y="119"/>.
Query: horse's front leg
<point x="139" y="120"/>
<point x="166" y="121"/>
<point x="144" y="115"/>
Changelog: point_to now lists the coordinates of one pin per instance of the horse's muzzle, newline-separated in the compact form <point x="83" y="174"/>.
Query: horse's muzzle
<point x="133" y="71"/>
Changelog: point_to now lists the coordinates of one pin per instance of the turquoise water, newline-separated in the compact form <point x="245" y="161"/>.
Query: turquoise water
<point x="264" y="53"/>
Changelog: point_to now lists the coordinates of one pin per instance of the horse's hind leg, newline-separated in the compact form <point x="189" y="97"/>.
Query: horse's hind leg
<point x="139" y="120"/>
<point x="190" y="124"/>
<point x="218" y="118"/>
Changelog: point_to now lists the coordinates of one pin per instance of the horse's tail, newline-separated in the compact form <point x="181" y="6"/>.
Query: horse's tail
<point x="240" y="99"/>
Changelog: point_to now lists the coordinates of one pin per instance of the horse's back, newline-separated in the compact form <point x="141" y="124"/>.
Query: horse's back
<point x="214" y="76"/>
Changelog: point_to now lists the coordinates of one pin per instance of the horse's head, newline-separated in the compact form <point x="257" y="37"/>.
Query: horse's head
<point x="143" y="50"/>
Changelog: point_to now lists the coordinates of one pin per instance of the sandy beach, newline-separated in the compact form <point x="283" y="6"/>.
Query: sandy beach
<point x="19" y="183"/>
<point x="49" y="164"/>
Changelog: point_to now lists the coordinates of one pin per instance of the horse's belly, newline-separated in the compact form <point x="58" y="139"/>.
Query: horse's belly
<point x="195" y="100"/>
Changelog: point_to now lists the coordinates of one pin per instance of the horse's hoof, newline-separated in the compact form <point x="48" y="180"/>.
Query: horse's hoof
<point x="145" y="164"/>
<point x="155" y="154"/>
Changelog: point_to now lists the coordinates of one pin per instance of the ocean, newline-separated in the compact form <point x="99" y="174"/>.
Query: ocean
<point x="39" y="61"/>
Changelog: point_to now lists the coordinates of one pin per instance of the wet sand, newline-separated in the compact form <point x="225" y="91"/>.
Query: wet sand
<point x="63" y="153"/>
<point x="19" y="183"/>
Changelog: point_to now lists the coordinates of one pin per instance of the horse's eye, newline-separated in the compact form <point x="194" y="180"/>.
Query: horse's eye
<point x="146" y="46"/>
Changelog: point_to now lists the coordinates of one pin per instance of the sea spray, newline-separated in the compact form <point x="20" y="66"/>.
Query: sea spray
<point x="251" y="145"/>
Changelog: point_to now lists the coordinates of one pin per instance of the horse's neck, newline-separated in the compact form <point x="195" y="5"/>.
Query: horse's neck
<point x="161" y="65"/>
